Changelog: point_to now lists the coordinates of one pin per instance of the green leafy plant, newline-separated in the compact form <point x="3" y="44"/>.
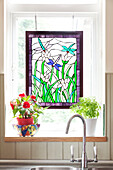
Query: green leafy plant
<point x="26" y="107"/>
<point x="88" y="107"/>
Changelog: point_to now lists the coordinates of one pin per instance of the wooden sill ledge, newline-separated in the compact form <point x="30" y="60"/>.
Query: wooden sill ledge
<point x="54" y="139"/>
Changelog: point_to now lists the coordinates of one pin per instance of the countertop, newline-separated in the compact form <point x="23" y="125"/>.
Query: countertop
<point x="53" y="162"/>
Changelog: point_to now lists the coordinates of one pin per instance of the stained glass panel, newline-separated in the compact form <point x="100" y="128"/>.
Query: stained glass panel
<point x="54" y="67"/>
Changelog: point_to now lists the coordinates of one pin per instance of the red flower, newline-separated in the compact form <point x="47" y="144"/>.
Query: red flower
<point x="22" y="95"/>
<point x="12" y="106"/>
<point x="33" y="97"/>
<point x="26" y="105"/>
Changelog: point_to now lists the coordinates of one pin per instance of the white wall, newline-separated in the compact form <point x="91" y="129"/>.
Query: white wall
<point x="109" y="36"/>
<point x="1" y="36"/>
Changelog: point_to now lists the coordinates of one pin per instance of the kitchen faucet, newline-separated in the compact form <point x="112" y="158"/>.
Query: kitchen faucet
<point x="84" y="155"/>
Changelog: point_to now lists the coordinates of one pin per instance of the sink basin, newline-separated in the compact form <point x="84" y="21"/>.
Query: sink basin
<point x="69" y="168"/>
<point x="55" y="168"/>
<point x="101" y="168"/>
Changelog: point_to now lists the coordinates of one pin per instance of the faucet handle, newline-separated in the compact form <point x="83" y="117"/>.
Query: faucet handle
<point x="72" y="153"/>
<point x="95" y="154"/>
<point x="72" y="156"/>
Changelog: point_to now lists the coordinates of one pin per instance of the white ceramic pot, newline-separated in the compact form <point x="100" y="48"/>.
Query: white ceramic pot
<point x="90" y="127"/>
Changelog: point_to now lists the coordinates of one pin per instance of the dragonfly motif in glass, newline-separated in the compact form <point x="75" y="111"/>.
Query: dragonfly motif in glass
<point x="53" y="70"/>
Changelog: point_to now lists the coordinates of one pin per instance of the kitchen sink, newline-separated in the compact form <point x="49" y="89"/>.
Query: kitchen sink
<point x="54" y="168"/>
<point x="69" y="168"/>
<point x="104" y="168"/>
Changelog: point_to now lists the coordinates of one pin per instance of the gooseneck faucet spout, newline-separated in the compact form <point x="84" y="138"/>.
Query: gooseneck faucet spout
<point x="84" y="156"/>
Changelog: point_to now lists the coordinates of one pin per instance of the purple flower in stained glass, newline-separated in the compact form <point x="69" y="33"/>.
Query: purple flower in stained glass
<point x="54" y="65"/>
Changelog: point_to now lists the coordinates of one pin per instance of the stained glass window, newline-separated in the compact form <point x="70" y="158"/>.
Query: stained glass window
<point x="54" y="67"/>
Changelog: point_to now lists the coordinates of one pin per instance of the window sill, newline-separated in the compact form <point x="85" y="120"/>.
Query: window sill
<point x="54" y="139"/>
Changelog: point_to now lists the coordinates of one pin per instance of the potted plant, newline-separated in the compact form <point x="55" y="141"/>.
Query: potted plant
<point x="89" y="108"/>
<point x="27" y="111"/>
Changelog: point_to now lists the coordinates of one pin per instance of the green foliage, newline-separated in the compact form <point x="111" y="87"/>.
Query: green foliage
<point x="15" y="110"/>
<point x="44" y="91"/>
<point x="88" y="107"/>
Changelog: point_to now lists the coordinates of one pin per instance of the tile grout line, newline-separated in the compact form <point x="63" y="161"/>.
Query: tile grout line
<point x="110" y="120"/>
<point x="108" y="111"/>
<point x="4" y="109"/>
<point x="78" y="149"/>
<point x="47" y="150"/>
<point x="15" y="151"/>
<point x="0" y="121"/>
<point x="62" y="150"/>
<point x="31" y="150"/>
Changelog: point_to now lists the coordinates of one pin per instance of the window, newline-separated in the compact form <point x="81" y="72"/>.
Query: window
<point x="53" y="122"/>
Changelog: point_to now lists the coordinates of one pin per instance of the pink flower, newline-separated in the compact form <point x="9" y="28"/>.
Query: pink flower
<point x="22" y="95"/>
<point x="26" y="105"/>
<point x="33" y="97"/>
<point x="12" y="106"/>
